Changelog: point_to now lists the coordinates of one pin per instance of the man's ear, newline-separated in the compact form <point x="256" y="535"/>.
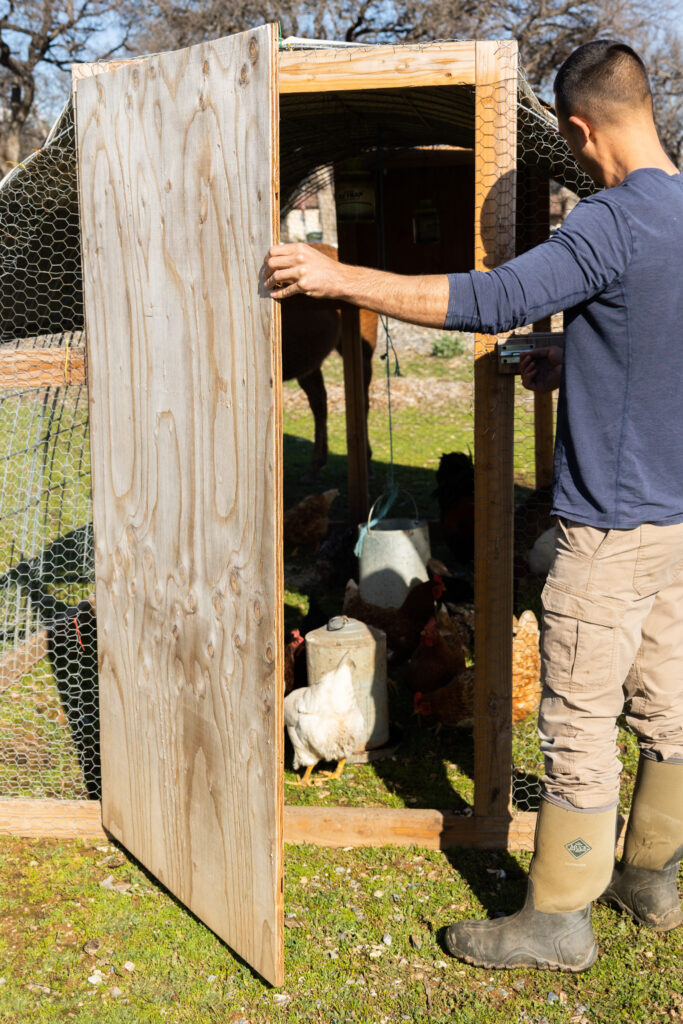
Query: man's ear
<point x="581" y="129"/>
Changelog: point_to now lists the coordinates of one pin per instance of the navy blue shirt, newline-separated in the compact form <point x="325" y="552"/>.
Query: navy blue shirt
<point x="616" y="268"/>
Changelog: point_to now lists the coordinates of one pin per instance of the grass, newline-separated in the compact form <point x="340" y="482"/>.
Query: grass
<point x="362" y="944"/>
<point x="339" y="903"/>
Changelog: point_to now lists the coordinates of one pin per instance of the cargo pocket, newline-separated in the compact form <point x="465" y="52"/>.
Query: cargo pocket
<point x="579" y="638"/>
<point x="658" y="559"/>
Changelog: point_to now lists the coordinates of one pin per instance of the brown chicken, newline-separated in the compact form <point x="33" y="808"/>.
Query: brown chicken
<point x="453" y="704"/>
<point x="402" y="625"/>
<point x="307" y="523"/>
<point x="294" y="651"/>
<point x="439" y="657"/>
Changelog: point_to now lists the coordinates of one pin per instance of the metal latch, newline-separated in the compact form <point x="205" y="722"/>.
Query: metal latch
<point x="510" y="351"/>
<point x="513" y="348"/>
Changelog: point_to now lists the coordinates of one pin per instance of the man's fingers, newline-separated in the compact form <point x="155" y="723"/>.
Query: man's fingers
<point x="286" y="274"/>
<point x="284" y="293"/>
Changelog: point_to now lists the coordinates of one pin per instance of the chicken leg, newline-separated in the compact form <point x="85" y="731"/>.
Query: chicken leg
<point x="303" y="780"/>
<point x="336" y="774"/>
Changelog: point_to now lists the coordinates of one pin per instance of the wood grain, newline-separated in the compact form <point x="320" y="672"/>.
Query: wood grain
<point x="40" y="368"/>
<point x="178" y="168"/>
<point x="319" y="826"/>
<point x="495" y="161"/>
<point x="379" y="67"/>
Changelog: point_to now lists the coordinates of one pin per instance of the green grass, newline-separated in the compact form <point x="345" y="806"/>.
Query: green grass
<point x="339" y="906"/>
<point x="339" y="903"/>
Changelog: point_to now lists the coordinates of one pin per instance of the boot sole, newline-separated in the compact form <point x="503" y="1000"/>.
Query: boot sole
<point x="612" y="900"/>
<point x="533" y="962"/>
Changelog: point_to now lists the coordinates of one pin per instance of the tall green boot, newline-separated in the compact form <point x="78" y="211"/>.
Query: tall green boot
<point x="573" y="859"/>
<point x="644" y="882"/>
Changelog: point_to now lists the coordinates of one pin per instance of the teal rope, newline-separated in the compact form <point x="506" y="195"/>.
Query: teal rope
<point x="390" y="495"/>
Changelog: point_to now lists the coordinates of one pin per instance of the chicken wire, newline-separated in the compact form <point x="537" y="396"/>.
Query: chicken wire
<point x="48" y="656"/>
<point x="48" y="651"/>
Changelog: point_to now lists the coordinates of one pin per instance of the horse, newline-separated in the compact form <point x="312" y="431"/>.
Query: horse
<point x="311" y="329"/>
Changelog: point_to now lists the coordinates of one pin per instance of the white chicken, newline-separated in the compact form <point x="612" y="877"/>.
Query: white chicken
<point x="324" y="720"/>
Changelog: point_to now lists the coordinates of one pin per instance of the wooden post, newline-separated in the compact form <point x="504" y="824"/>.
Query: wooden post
<point x="533" y="228"/>
<point x="544" y="423"/>
<point x="495" y="194"/>
<point x="354" y="389"/>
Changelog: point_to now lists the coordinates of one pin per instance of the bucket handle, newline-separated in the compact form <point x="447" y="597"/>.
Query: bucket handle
<point x="389" y="500"/>
<point x="374" y="522"/>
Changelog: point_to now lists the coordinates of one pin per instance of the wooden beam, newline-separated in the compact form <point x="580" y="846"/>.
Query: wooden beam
<point x="544" y="441"/>
<point x="319" y="826"/>
<point x="495" y="192"/>
<point x="52" y="819"/>
<point x="41" y="368"/>
<point x="533" y="228"/>
<point x="377" y="67"/>
<point x="87" y="70"/>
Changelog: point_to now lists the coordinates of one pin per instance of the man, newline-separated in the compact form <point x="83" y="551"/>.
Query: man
<point x="613" y="601"/>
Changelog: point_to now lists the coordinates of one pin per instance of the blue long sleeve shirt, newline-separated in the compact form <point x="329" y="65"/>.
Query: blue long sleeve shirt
<point x="616" y="269"/>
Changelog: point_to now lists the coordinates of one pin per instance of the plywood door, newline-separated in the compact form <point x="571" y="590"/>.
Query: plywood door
<point x="178" y="187"/>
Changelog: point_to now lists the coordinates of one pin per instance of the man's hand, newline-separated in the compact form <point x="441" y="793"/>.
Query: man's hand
<point x="542" y="368"/>
<point x="300" y="269"/>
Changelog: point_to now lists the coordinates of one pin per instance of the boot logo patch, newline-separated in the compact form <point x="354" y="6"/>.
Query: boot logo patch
<point x="578" y="848"/>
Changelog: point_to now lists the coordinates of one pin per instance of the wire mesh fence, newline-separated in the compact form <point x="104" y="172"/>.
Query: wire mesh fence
<point x="48" y="653"/>
<point x="48" y="643"/>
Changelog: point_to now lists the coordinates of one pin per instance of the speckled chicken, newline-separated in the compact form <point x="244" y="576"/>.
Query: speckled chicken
<point x="453" y="704"/>
<point x="324" y="720"/>
<point x="526" y="667"/>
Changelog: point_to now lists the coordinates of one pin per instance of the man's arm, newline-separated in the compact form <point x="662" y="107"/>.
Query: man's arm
<point x="590" y="251"/>
<point x="298" y="268"/>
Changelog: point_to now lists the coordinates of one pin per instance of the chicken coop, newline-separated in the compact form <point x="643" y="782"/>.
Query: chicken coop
<point x="141" y="567"/>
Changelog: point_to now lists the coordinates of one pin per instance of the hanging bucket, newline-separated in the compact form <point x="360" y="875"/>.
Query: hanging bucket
<point x="393" y="558"/>
<point x="368" y="649"/>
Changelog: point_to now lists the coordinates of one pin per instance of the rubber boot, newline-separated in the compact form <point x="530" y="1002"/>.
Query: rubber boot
<point x="573" y="859"/>
<point x="644" y="882"/>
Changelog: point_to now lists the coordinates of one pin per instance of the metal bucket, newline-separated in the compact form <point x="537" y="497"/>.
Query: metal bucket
<point x="368" y="649"/>
<point x="393" y="559"/>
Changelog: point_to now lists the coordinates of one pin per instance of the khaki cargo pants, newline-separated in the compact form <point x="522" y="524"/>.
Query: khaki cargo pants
<point x="612" y="636"/>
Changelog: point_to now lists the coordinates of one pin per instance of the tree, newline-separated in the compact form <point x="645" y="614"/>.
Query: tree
<point x="176" y="23"/>
<point x="546" y="30"/>
<point x="665" y="64"/>
<point x="37" y="35"/>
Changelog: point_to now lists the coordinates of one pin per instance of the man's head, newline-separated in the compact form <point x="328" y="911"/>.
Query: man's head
<point x="605" y="82"/>
<point x="604" y="107"/>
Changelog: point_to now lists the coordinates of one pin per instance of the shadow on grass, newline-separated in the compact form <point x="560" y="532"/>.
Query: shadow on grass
<point x="417" y="480"/>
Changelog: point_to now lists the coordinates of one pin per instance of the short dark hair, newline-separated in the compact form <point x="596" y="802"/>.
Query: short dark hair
<point x="599" y="76"/>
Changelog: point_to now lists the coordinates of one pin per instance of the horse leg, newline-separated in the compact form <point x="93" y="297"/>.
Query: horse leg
<point x="313" y="386"/>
